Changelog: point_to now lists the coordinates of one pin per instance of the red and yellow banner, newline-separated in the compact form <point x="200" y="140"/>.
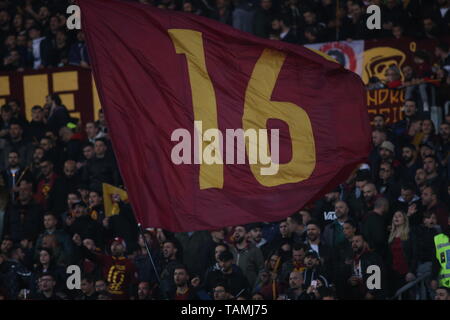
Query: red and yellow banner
<point x="164" y="73"/>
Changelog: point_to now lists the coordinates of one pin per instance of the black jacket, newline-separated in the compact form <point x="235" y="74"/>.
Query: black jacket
<point x="57" y="200"/>
<point x="100" y="170"/>
<point x="23" y="221"/>
<point x="374" y="231"/>
<point x="235" y="282"/>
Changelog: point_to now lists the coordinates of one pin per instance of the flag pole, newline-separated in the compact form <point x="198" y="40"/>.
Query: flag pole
<point x="149" y="253"/>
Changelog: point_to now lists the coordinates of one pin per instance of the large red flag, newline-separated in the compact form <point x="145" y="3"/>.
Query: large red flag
<point x="158" y="72"/>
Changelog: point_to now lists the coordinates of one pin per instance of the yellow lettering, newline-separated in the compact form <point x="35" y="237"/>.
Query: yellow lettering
<point x="258" y="109"/>
<point x="190" y="43"/>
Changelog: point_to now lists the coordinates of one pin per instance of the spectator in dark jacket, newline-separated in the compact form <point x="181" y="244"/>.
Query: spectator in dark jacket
<point x="41" y="53"/>
<point x="16" y="142"/>
<point x="23" y="219"/>
<point x="229" y="274"/>
<point x="58" y="115"/>
<point x="100" y="169"/>
<point x="334" y="232"/>
<point x="374" y="228"/>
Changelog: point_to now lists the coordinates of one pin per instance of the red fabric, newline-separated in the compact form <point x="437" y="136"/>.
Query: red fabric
<point x="182" y="297"/>
<point x="399" y="262"/>
<point x="394" y="84"/>
<point x="145" y="91"/>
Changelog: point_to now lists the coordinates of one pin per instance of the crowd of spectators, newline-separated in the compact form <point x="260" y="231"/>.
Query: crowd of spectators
<point x="33" y="33"/>
<point x="52" y="212"/>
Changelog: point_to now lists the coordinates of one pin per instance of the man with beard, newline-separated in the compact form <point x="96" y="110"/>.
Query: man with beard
<point x="313" y="242"/>
<point x="342" y="256"/>
<point x="170" y="261"/>
<point x="420" y="178"/>
<point x="229" y="274"/>
<point x="183" y="289"/>
<point x="430" y="200"/>
<point x="249" y="258"/>
<point x="430" y="165"/>
<point x="314" y="271"/>
<point x="387" y="154"/>
<point x="296" y="287"/>
<point x="118" y="270"/>
<point x="378" y="137"/>
<point x="296" y="263"/>
<point x="35" y="166"/>
<point x="357" y="271"/>
<point x="333" y="234"/>
<point x="46" y="183"/>
<point x="144" y="291"/>
<point x="379" y="122"/>
<point x="14" y="173"/>
<point x="16" y="142"/>
<point x="256" y="237"/>
<point x="354" y="195"/>
<point x="409" y="202"/>
<point x="410" y="162"/>
<point x="64" y="184"/>
<point x="370" y="194"/>
<point x="387" y="184"/>
<point x="374" y="227"/>
<point x="410" y="113"/>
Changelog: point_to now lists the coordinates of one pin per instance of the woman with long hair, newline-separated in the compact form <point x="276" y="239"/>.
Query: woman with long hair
<point x="402" y="260"/>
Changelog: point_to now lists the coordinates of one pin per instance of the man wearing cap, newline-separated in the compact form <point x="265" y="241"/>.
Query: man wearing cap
<point x="313" y="270"/>
<point x="119" y="271"/>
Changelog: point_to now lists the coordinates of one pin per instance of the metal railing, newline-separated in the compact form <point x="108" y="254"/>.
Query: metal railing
<point x="418" y="281"/>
